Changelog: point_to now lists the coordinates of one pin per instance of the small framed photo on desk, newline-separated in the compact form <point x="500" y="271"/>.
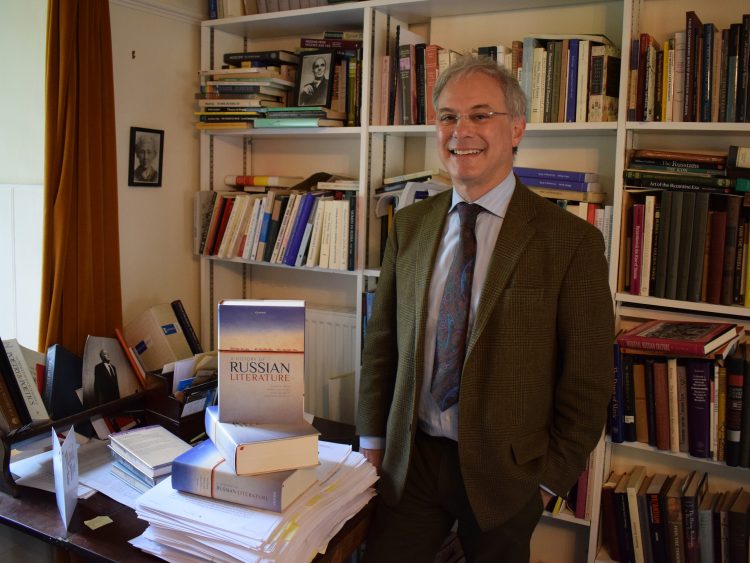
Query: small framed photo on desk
<point x="146" y="156"/>
<point x="315" y="79"/>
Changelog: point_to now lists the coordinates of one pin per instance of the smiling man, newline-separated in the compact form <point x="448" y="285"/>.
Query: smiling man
<point x="488" y="362"/>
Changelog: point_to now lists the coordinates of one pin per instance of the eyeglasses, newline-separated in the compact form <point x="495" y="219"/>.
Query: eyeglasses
<point x="478" y="118"/>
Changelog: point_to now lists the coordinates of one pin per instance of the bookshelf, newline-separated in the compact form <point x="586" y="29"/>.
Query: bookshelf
<point x="372" y="152"/>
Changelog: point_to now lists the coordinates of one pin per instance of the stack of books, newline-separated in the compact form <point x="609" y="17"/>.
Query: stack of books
<point x="301" y="116"/>
<point x="143" y="456"/>
<point x="261" y="457"/>
<point x="251" y="82"/>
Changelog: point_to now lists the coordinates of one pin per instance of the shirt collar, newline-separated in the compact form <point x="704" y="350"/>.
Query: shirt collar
<point x="496" y="200"/>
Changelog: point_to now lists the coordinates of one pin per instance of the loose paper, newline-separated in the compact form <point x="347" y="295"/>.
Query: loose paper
<point x="65" y="463"/>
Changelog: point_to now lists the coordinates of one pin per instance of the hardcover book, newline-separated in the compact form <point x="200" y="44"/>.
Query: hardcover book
<point x="149" y="449"/>
<point x="261" y="361"/>
<point x="678" y="337"/>
<point x="252" y="449"/>
<point x="25" y="380"/>
<point x="203" y="471"/>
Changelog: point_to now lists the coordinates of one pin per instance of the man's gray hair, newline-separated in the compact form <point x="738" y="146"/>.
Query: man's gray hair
<point x="465" y="65"/>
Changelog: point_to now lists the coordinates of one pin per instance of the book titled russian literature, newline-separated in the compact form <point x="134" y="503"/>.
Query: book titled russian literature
<point x="678" y="337"/>
<point x="261" y="361"/>
<point x="203" y="471"/>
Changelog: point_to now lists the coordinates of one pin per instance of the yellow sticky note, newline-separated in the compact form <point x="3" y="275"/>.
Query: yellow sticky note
<point x="98" y="522"/>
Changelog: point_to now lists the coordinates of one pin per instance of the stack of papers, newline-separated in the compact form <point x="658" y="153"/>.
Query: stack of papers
<point x="185" y="527"/>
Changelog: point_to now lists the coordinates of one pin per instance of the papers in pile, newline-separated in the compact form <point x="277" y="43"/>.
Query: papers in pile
<point x="185" y="527"/>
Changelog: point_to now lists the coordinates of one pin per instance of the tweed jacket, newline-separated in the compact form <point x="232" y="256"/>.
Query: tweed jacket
<point x="537" y="375"/>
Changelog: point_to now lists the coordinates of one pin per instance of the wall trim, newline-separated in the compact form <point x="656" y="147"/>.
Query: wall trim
<point x="165" y="10"/>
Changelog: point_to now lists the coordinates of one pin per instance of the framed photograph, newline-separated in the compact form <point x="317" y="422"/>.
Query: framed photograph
<point x="315" y="79"/>
<point x="146" y="154"/>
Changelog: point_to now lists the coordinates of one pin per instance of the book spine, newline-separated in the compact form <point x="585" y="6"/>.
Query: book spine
<point x="187" y="327"/>
<point x="295" y="239"/>
<point x="13" y="388"/>
<point x="561" y="184"/>
<point x="698" y="387"/>
<point x="616" y="406"/>
<point x="676" y="348"/>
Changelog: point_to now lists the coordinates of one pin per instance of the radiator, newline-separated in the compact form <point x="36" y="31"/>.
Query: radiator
<point x="330" y="341"/>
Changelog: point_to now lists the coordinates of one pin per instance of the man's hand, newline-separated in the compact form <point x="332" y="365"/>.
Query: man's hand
<point x="307" y="89"/>
<point x="373" y="456"/>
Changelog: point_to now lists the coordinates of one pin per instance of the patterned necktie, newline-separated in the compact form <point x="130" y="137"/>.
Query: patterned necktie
<point x="453" y="317"/>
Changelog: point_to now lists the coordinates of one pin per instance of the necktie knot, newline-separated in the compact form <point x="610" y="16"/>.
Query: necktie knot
<point x="468" y="212"/>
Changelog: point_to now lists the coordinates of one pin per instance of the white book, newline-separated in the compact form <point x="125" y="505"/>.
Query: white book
<point x="583" y="80"/>
<point x="235" y="218"/>
<point x="648" y="239"/>
<point x="669" y="71"/>
<point x="325" y="236"/>
<point x="674" y="406"/>
<point x="252" y="228"/>
<point x="307" y="233"/>
<point x="237" y="246"/>
<point x="341" y="235"/>
<point x="537" y="85"/>
<point x="291" y="220"/>
<point x="313" y="255"/>
<point x="26" y="380"/>
<point x="149" y="449"/>
<point x="633" y="485"/>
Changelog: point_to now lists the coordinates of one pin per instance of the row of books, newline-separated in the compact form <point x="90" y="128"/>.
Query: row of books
<point x="566" y="78"/>
<point x="697" y="74"/>
<point x="312" y="228"/>
<point x="674" y="400"/>
<point x="36" y="387"/>
<point x="664" y="518"/>
<point x="685" y="225"/>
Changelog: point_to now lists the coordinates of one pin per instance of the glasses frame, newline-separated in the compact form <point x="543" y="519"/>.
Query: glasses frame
<point x="471" y="116"/>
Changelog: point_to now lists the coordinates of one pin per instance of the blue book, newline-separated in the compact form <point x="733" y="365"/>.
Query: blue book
<point x="549" y="174"/>
<point x="570" y="108"/>
<point x="264" y="226"/>
<point x="295" y="239"/>
<point x="251" y="449"/>
<point x="203" y="471"/>
<point x="594" y="187"/>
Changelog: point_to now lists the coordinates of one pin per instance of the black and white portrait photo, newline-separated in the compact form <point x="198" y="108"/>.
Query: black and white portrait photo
<point x="107" y="374"/>
<point x="315" y="79"/>
<point x="146" y="147"/>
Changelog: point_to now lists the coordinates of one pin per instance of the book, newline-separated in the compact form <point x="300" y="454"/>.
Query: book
<point x="635" y="479"/>
<point x="706" y="525"/>
<point x="64" y="372"/>
<point x="157" y="337"/>
<point x="261" y="361"/>
<point x="127" y="474"/>
<point x="694" y="490"/>
<point x="186" y="326"/>
<point x="275" y="181"/>
<point x="149" y="449"/>
<point x="271" y="122"/>
<point x="561" y="184"/>
<point x="739" y="527"/>
<point x="251" y="449"/>
<point x="698" y="398"/>
<point x="657" y="517"/>
<point x="432" y="173"/>
<point x="550" y="174"/>
<point x="266" y="58"/>
<point x="203" y="471"/>
<point x="609" y="525"/>
<point x="678" y="337"/>
<point x="569" y="195"/>
<point x="25" y="380"/>
<point x="675" y="529"/>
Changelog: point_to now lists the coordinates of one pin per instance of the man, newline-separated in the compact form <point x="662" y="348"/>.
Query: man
<point x="535" y="370"/>
<point x="315" y="92"/>
<point x="106" y="388"/>
<point x="146" y="151"/>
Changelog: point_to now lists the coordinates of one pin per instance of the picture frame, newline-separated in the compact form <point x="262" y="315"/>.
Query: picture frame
<point x="314" y="89"/>
<point x="146" y="157"/>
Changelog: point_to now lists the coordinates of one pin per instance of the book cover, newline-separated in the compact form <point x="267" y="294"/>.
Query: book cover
<point x="64" y="372"/>
<point x="157" y="337"/>
<point x="203" y="471"/>
<point x="692" y="496"/>
<point x="698" y="398"/>
<point x="678" y="337"/>
<point x="266" y="58"/>
<point x="261" y="361"/>
<point x="107" y="374"/>
<point x="706" y="525"/>
<point x="624" y="531"/>
<point x="149" y="449"/>
<point x="250" y="449"/>
<point x="25" y="380"/>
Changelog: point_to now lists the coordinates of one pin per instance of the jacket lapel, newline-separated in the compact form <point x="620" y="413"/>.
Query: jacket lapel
<point x="428" y="239"/>
<point x="514" y="235"/>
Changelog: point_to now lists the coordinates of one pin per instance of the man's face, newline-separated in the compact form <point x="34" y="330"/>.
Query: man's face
<point x="477" y="156"/>
<point x="319" y="68"/>
<point x="146" y="154"/>
<point x="104" y="356"/>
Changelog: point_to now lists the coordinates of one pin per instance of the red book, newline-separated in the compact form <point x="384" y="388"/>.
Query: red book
<point x="678" y="337"/>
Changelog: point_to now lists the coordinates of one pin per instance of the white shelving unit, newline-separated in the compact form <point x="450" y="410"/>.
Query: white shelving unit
<point x="371" y="152"/>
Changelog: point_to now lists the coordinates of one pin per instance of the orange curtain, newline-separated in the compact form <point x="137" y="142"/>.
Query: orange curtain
<point x="81" y="262"/>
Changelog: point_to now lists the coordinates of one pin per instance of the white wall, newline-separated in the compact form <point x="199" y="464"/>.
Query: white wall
<point x="156" y="48"/>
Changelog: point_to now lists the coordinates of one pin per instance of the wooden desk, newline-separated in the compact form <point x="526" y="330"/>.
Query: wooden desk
<point x="35" y="513"/>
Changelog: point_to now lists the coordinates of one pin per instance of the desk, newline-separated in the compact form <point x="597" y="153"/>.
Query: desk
<point x="35" y="513"/>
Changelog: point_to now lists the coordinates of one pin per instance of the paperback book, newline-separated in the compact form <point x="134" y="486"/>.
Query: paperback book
<point x="203" y="471"/>
<point x="261" y="361"/>
<point x="149" y="449"/>
<point x="250" y="449"/>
